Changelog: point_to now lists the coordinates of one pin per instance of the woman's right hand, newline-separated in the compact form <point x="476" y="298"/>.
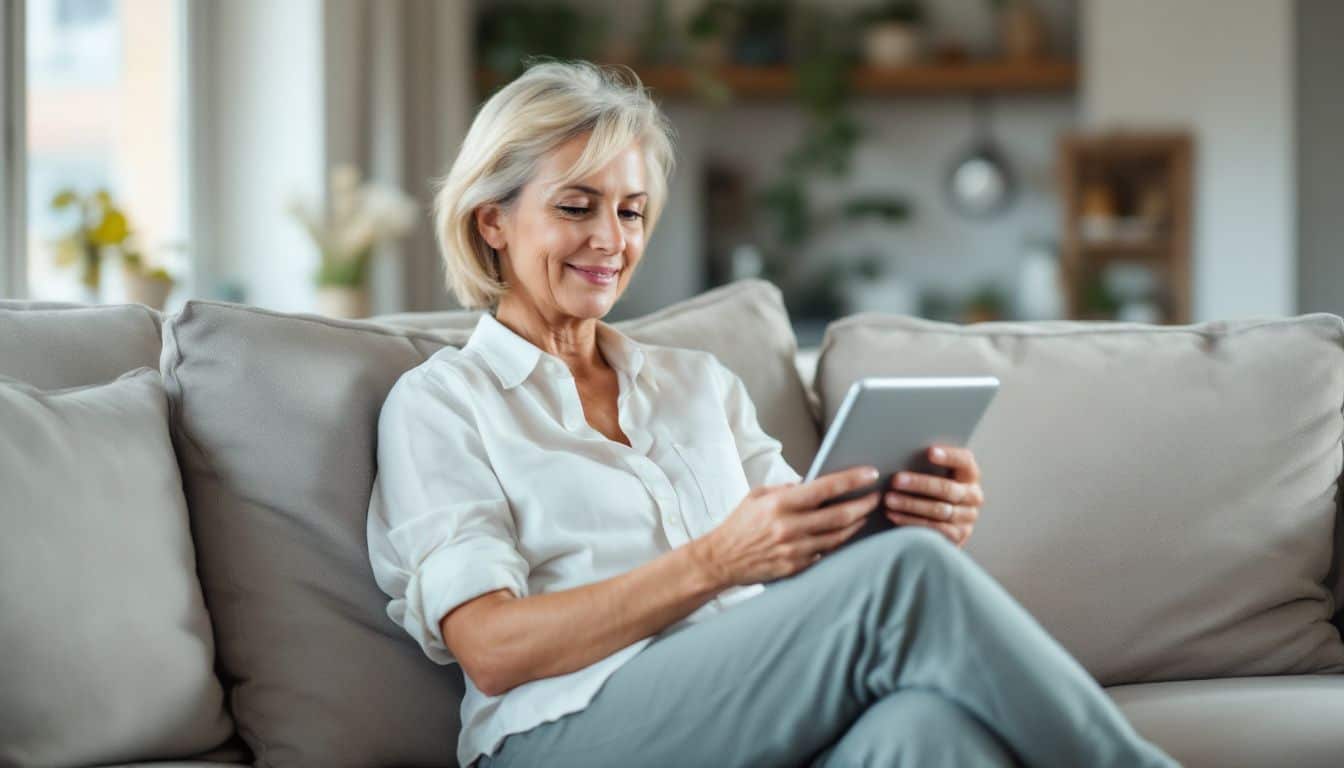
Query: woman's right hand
<point x="778" y="530"/>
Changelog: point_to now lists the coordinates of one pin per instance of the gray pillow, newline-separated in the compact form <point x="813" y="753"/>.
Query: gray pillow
<point x="50" y="344"/>
<point x="275" y="420"/>
<point x="108" y="650"/>
<point x="1161" y="498"/>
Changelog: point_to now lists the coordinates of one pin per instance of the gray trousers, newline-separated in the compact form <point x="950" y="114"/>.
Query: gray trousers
<point x="896" y="650"/>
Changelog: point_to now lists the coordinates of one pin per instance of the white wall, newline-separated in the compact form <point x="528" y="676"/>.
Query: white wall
<point x="262" y="140"/>
<point x="1225" y="69"/>
<point x="1320" y="156"/>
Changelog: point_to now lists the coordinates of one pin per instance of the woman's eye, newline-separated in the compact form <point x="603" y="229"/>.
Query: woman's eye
<point x="577" y="211"/>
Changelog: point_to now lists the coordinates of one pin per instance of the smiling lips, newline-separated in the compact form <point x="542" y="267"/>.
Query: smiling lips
<point x="598" y="275"/>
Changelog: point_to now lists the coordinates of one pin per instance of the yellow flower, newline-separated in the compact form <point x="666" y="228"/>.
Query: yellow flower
<point x="111" y="230"/>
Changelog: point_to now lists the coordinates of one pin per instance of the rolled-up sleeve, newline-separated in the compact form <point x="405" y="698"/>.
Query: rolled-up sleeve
<point x="440" y="529"/>
<point x="762" y="455"/>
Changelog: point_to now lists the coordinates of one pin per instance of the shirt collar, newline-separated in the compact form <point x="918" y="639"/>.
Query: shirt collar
<point x="513" y="358"/>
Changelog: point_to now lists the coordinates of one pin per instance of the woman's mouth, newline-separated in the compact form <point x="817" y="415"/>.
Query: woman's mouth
<point x="595" y="275"/>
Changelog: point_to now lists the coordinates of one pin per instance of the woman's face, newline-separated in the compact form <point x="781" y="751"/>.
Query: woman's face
<point x="570" y="252"/>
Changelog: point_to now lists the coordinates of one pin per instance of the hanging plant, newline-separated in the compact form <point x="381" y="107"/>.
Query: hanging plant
<point x="822" y="86"/>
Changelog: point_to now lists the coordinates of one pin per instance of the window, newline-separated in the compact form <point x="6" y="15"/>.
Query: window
<point x="104" y="110"/>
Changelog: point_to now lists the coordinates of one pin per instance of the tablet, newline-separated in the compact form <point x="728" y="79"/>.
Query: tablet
<point x="890" y="422"/>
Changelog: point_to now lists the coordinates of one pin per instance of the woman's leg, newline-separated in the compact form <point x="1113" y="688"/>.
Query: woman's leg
<point x="776" y="679"/>
<point x="916" y="728"/>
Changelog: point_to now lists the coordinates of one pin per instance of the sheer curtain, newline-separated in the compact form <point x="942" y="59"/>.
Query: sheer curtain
<point x="399" y="96"/>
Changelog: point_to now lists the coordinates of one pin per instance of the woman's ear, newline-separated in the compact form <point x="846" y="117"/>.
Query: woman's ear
<point x="489" y="222"/>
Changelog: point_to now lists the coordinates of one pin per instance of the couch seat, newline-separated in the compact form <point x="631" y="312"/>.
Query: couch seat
<point x="1242" y="721"/>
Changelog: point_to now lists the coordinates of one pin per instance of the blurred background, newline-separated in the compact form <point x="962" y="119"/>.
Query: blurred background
<point x="961" y="160"/>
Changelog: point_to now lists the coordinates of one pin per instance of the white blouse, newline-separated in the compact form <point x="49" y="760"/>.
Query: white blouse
<point x="490" y="477"/>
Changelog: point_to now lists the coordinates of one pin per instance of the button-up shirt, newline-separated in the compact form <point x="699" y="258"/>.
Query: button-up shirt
<point x="490" y="477"/>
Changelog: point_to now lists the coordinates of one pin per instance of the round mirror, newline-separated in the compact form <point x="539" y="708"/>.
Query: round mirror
<point x="979" y="182"/>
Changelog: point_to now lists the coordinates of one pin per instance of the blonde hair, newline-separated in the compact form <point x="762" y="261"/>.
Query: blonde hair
<point x="549" y="104"/>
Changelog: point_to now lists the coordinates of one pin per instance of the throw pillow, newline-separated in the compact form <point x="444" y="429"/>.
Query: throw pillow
<point x="108" y="650"/>
<point x="1161" y="497"/>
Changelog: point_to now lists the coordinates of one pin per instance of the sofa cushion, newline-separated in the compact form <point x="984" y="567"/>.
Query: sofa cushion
<point x="743" y="323"/>
<point x="275" y="420"/>
<point x="1246" y="722"/>
<point x="55" y="344"/>
<point x="108" y="654"/>
<point x="1161" y="498"/>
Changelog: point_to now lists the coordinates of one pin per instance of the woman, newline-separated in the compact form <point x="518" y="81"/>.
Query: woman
<point x="584" y="522"/>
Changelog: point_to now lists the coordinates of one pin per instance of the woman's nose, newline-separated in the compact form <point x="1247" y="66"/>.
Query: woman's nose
<point x="609" y="237"/>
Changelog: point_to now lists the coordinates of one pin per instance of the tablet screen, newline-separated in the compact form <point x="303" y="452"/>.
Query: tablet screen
<point x="890" y="422"/>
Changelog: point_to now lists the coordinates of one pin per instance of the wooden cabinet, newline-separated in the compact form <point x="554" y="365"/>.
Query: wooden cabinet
<point x="1126" y="199"/>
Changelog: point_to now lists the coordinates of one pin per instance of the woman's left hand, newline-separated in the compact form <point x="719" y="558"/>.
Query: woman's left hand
<point x="950" y="505"/>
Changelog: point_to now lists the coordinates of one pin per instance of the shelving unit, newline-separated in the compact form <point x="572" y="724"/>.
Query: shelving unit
<point x="976" y="76"/>
<point x="1126" y="198"/>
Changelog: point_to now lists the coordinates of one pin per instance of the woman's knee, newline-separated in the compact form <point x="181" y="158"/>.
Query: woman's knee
<point x="918" y="727"/>
<point x="912" y="546"/>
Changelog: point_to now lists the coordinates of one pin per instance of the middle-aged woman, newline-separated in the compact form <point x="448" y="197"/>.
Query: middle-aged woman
<point x="585" y="523"/>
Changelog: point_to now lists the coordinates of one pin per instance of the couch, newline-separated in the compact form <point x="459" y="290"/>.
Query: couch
<point x="184" y="578"/>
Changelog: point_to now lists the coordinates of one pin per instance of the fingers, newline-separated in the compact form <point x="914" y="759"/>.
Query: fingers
<point x="837" y="515"/>
<point x="820" y="545"/>
<point x="942" y="488"/>
<point x="961" y="460"/>
<point x="932" y="509"/>
<point x="809" y="496"/>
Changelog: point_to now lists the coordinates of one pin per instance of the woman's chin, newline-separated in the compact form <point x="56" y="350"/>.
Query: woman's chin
<point x="590" y="303"/>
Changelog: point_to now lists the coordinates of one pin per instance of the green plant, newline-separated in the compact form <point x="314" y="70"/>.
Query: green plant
<point x="822" y="74"/>
<point x="99" y="226"/>
<point x="869" y="267"/>
<point x="1097" y="298"/>
<point x="510" y="32"/>
<point x="988" y="298"/>
<point x="762" y="32"/>
<point x="711" y="21"/>
<point x="905" y="11"/>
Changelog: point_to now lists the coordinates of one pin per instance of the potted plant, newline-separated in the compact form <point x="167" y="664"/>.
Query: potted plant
<point x="988" y="302"/>
<point x="100" y="229"/>
<point x="1021" y="29"/>
<point x="359" y="217"/>
<point x="145" y="284"/>
<point x="98" y="225"/>
<point x="762" y="38"/>
<point x="707" y="30"/>
<point x="870" y="287"/>
<point x="892" y="33"/>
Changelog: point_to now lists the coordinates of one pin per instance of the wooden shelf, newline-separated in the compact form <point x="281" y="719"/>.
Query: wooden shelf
<point x="1121" y="168"/>
<point x="1132" y="249"/>
<point x="976" y="76"/>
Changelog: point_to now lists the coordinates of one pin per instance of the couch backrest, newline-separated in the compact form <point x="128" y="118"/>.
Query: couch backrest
<point x="59" y="345"/>
<point x="55" y="344"/>
<point x="1164" y="499"/>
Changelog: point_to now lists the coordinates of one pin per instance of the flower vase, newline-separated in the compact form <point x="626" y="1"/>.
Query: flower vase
<point x="344" y="301"/>
<point x="150" y="291"/>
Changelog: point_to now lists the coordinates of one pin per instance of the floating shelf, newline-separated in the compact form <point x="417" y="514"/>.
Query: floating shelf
<point x="974" y="76"/>
<point x="1121" y="167"/>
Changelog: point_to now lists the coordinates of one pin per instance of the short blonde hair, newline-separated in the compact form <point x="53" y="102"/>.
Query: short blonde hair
<point x="549" y="104"/>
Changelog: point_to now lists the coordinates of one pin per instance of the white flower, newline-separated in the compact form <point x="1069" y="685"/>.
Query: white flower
<point x="358" y="218"/>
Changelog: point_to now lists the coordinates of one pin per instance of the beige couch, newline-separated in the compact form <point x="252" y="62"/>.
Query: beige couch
<point x="184" y="575"/>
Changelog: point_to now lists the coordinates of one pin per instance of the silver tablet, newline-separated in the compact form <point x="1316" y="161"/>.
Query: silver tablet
<point x="890" y="422"/>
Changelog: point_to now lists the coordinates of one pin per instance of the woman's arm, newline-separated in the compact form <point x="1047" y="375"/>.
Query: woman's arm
<point x="503" y="641"/>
